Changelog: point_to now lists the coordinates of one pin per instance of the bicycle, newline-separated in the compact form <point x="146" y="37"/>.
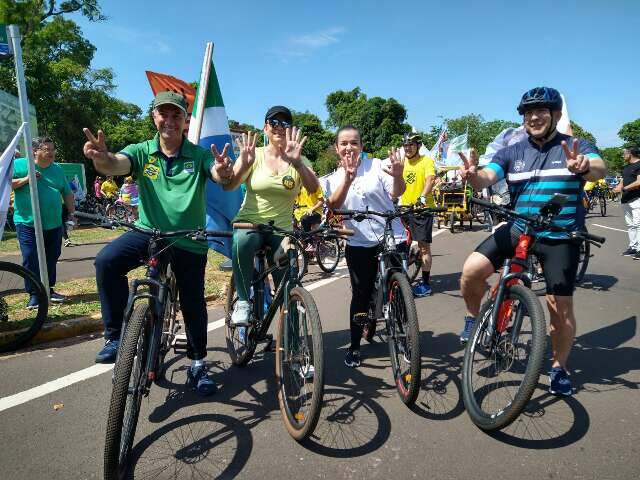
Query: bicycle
<point x="393" y="304"/>
<point x="149" y="331"/>
<point x="597" y="197"/>
<point x="326" y="248"/>
<point x="19" y="324"/>
<point x="509" y="335"/>
<point x="299" y="345"/>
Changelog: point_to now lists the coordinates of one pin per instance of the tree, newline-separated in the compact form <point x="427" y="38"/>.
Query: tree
<point x="580" y="132"/>
<point x="630" y="132"/>
<point x="612" y="157"/>
<point x="481" y="132"/>
<point x="318" y="139"/>
<point x="326" y="162"/>
<point x="249" y="128"/>
<point x="377" y="118"/>
<point x="67" y="94"/>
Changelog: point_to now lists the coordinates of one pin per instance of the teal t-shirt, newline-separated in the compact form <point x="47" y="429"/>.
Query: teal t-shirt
<point x="171" y="191"/>
<point x="52" y="186"/>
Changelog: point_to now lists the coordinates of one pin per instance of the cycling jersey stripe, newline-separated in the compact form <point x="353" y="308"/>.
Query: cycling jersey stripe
<point x="551" y="172"/>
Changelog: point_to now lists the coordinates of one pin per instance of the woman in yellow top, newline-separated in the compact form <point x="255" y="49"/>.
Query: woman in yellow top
<point x="273" y="176"/>
<point x="309" y="208"/>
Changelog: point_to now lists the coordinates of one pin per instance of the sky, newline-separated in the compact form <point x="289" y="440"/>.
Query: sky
<point x="438" y="58"/>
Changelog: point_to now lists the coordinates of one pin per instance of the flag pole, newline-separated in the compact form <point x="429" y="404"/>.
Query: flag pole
<point x="202" y="89"/>
<point x="14" y="35"/>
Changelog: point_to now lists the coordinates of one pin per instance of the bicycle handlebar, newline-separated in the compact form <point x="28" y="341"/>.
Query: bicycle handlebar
<point x="390" y="214"/>
<point x="293" y="233"/>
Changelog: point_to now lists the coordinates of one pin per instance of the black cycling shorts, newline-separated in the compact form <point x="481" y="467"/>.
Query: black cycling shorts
<point x="421" y="227"/>
<point x="558" y="258"/>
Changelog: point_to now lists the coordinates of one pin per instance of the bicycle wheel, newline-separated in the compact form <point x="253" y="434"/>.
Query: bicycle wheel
<point x="414" y="263"/>
<point x="500" y="373"/>
<point x="404" y="338"/>
<point x="241" y="341"/>
<point x="300" y="364"/>
<point x="128" y="389"/>
<point x="602" y="200"/>
<point x="328" y="254"/>
<point x="19" y="324"/>
<point x="583" y="260"/>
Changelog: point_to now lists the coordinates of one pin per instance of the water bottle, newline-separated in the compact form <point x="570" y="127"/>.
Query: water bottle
<point x="267" y="299"/>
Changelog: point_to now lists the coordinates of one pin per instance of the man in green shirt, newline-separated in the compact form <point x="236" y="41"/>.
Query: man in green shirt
<point x="171" y="173"/>
<point x="52" y="186"/>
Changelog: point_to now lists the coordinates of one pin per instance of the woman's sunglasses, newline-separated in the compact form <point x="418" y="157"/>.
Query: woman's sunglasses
<point x="275" y="123"/>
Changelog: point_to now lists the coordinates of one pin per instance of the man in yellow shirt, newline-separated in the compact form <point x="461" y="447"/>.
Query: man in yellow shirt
<point x="309" y="208"/>
<point x="419" y="176"/>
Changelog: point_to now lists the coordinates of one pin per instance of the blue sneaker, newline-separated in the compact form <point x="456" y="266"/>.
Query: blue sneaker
<point x="421" y="289"/>
<point x="200" y="381"/>
<point x="466" y="331"/>
<point x="33" y="303"/>
<point x="560" y="383"/>
<point x="109" y="352"/>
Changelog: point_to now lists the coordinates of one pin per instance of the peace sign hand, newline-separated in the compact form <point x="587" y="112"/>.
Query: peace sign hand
<point x="396" y="163"/>
<point x="350" y="165"/>
<point x="469" y="169"/>
<point x="247" y="145"/>
<point x="292" y="152"/>
<point x="576" y="162"/>
<point x="223" y="166"/>
<point x="95" y="148"/>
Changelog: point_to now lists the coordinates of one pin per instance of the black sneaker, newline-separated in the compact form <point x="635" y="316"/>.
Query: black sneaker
<point x="629" y="252"/>
<point x="637" y="256"/>
<point x="352" y="358"/>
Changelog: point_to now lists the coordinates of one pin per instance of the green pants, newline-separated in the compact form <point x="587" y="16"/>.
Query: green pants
<point x="245" y="245"/>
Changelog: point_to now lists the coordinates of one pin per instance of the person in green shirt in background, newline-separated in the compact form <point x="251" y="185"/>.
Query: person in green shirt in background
<point x="52" y="186"/>
<point x="171" y="173"/>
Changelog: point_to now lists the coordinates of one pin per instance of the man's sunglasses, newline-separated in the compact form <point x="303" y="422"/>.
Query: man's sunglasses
<point x="275" y="123"/>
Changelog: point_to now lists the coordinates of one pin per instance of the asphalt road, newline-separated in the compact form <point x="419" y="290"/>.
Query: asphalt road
<point x="365" y="431"/>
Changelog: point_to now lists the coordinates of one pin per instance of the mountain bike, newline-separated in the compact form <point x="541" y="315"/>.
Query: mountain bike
<point x="597" y="198"/>
<point x="323" y="246"/>
<point x="504" y="356"/>
<point x="19" y="324"/>
<point x="299" y="345"/>
<point x="392" y="302"/>
<point x="149" y="332"/>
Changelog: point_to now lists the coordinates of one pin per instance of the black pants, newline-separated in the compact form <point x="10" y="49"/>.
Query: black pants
<point x="363" y="267"/>
<point x="130" y="251"/>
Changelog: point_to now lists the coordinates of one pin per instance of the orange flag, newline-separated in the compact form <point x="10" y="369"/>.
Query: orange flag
<point x="161" y="83"/>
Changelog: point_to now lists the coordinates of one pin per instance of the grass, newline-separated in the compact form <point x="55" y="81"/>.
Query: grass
<point x="82" y="294"/>
<point x="82" y="235"/>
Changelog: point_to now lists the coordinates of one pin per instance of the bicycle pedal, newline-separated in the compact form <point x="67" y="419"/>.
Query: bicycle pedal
<point x="179" y="344"/>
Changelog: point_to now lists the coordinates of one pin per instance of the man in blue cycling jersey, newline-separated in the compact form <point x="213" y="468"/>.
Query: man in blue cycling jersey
<point x="535" y="168"/>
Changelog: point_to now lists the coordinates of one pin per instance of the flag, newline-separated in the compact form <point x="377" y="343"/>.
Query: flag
<point x="456" y="145"/>
<point x="6" y="173"/>
<point x="222" y="206"/>
<point x="564" y="124"/>
<point x="436" y="152"/>
<point x="162" y="83"/>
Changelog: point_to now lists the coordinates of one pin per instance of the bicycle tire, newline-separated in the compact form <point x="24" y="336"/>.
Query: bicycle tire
<point x="300" y="424"/>
<point x="583" y="260"/>
<point x="13" y="299"/>
<point x="323" y="246"/>
<point x="239" y="352"/>
<point x="504" y="415"/>
<point x="407" y="382"/>
<point x="122" y="422"/>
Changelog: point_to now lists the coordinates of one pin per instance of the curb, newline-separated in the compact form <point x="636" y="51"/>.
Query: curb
<point x="68" y="328"/>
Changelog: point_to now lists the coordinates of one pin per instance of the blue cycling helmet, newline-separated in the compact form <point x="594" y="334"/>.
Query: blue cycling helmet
<point x="540" y="97"/>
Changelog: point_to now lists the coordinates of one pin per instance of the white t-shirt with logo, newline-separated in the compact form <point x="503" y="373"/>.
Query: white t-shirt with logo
<point x="371" y="188"/>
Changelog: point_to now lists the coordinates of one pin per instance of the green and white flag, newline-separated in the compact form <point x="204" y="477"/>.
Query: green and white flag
<point x="456" y="145"/>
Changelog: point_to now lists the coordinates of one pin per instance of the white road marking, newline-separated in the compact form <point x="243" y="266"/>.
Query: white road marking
<point x="609" y="228"/>
<point x="99" y="369"/>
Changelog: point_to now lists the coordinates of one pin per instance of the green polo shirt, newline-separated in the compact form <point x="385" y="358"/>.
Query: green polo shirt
<point x="171" y="191"/>
<point x="52" y="186"/>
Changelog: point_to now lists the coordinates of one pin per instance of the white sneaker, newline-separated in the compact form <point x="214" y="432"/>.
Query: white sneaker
<point x="240" y="315"/>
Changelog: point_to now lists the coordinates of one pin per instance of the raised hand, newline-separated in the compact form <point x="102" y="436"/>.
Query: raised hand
<point x="469" y="169"/>
<point x="222" y="166"/>
<point x="247" y="145"/>
<point x="396" y="163"/>
<point x="95" y="148"/>
<point x="292" y="151"/>
<point x="350" y="165"/>
<point x="576" y="162"/>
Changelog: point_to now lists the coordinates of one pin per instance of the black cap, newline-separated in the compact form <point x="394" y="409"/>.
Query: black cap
<point x="279" y="110"/>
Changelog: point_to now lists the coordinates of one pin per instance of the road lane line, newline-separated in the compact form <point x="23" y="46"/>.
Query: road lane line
<point x="609" y="228"/>
<point x="99" y="369"/>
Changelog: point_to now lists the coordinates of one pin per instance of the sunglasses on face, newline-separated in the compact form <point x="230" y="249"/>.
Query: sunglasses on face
<point x="275" y="123"/>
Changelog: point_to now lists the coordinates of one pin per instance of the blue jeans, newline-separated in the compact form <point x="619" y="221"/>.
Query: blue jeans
<point x="52" y="249"/>
<point x="130" y="251"/>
